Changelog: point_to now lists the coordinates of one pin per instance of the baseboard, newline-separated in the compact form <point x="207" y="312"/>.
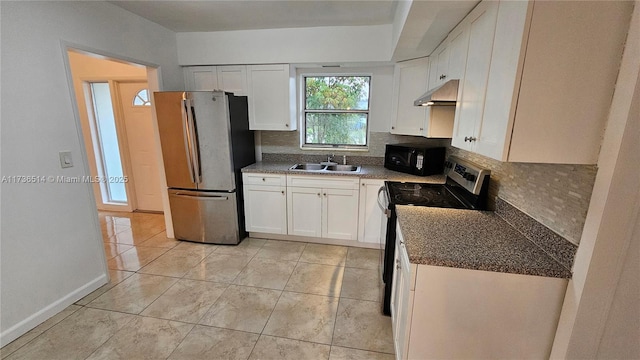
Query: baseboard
<point x="50" y="310"/>
<point x="352" y="243"/>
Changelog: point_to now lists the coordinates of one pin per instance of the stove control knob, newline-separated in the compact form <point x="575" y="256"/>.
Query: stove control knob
<point x="469" y="176"/>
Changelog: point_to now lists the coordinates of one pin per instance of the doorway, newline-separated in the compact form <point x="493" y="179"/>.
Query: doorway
<point x="115" y="111"/>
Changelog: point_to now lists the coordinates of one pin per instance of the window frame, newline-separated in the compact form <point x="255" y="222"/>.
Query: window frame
<point x="303" y="111"/>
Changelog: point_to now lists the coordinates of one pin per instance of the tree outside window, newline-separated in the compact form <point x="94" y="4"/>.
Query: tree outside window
<point x="336" y="110"/>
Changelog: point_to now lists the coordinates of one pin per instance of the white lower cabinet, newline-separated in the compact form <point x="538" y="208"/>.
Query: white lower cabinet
<point x="450" y="313"/>
<point x="369" y="213"/>
<point x="402" y="299"/>
<point x="265" y="203"/>
<point x="324" y="207"/>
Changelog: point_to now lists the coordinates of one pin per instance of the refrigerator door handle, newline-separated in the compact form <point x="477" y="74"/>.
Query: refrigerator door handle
<point x="202" y="196"/>
<point x="186" y="133"/>
<point x="195" y="155"/>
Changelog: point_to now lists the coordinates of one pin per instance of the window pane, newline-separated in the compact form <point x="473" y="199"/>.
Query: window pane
<point x="336" y="129"/>
<point x="337" y="92"/>
<point x="108" y="137"/>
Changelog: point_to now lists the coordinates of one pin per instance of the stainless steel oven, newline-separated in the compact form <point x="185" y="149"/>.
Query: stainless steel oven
<point x="466" y="187"/>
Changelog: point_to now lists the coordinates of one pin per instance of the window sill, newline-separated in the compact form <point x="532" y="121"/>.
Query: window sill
<point x="331" y="148"/>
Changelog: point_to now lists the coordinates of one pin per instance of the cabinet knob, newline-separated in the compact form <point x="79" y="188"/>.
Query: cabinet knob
<point x="393" y="127"/>
<point x="286" y="125"/>
<point x="325" y="194"/>
<point x="282" y="192"/>
<point x="318" y="194"/>
<point x="421" y="129"/>
<point x="469" y="139"/>
<point x="263" y="179"/>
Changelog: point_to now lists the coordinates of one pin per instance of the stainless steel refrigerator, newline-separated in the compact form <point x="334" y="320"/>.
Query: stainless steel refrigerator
<point x="205" y="141"/>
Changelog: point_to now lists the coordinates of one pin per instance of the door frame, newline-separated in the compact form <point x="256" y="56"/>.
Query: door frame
<point x="154" y="81"/>
<point x="118" y="113"/>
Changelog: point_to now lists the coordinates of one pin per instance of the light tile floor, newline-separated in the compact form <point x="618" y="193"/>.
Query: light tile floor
<point x="262" y="299"/>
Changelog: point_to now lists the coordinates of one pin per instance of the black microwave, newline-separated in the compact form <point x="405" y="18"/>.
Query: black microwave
<point x="414" y="159"/>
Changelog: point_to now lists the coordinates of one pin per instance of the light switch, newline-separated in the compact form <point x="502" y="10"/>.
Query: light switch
<point x="65" y="159"/>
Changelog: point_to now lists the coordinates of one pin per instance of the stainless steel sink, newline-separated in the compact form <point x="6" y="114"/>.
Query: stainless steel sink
<point x="349" y="168"/>
<point x="325" y="168"/>
<point x="308" y="167"/>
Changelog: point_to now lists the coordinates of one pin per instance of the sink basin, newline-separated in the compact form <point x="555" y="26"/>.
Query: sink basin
<point x="325" y="168"/>
<point x="350" y="168"/>
<point x="308" y="167"/>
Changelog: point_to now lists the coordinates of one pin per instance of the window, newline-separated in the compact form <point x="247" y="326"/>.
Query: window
<point x="336" y="111"/>
<point x="142" y="98"/>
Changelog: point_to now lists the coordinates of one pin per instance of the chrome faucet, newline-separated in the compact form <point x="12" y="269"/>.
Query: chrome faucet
<point x="330" y="157"/>
<point x="344" y="159"/>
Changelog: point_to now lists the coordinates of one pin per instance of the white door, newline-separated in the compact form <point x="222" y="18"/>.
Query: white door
<point x="340" y="214"/>
<point x="304" y="210"/>
<point x="369" y="213"/>
<point x="265" y="209"/>
<point x="136" y="112"/>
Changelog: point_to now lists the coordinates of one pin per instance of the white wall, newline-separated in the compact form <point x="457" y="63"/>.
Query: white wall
<point x="338" y="44"/>
<point x="598" y="284"/>
<point x="51" y="249"/>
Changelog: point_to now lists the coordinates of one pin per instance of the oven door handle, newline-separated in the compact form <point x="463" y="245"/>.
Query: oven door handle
<point x="384" y="209"/>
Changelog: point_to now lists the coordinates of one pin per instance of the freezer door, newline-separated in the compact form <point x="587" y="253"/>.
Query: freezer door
<point x="208" y="217"/>
<point x="211" y="112"/>
<point x="172" y="125"/>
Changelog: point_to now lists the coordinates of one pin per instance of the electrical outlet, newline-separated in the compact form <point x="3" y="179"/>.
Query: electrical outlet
<point x="66" y="160"/>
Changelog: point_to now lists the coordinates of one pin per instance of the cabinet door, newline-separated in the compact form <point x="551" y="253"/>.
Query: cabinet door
<point x="233" y="79"/>
<point x="369" y="213"/>
<point x="471" y="96"/>
<point x="435" y="73"/>
<point x="198" y="78"/>
<point x="409" y="82"/>
<point x="265" y="209"/>
<point x="340" y="214"/>
<point x="304" y="211"/>
<point x="458" y="46"/>
<point x="402" y="300"/>
<point x="271" y="98"/>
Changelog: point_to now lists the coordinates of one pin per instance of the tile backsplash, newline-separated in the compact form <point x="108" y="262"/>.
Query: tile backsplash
<point x="556" y="195"/>
<point x="288" y="142"/>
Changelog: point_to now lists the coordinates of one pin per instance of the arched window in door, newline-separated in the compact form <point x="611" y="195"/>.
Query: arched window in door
<point x="142" y="98"/>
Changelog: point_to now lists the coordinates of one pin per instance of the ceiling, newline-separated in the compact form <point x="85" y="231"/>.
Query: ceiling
<point x="421" y="24"/>
<point x="192" y="16"/>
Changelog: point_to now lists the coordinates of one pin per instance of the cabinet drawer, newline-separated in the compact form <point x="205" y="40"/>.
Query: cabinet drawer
<point x="264" y="179"/>
<point x="325" y="182"/>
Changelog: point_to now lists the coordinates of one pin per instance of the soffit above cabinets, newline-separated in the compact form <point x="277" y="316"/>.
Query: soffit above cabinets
<point x="416" y="26"/>
<point x="205" y="16"/>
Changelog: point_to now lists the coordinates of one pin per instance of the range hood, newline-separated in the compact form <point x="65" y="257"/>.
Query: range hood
<point x="444" y="95"/>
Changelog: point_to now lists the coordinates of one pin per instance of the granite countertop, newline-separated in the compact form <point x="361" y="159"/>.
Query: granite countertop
<point x="469" y="239"/>
<point x="366" y="172"/>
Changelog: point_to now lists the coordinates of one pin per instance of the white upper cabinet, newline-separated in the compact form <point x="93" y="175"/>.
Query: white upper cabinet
<point x="410" y="79"/>
<point x="409" y="82"/>
<point x="198" y="78"/>
<point x="449" y="58"/>
<point x="551" y="74"/>
<point x="232" y="78"/>
<point x="471" y="94"/>
<point x="272" y="98"/>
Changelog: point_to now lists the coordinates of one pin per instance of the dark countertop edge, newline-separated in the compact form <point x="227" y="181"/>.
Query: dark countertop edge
<point x="366" y="172"/>
<point x="552" y="273"/>
<point x="557" y="272"/>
